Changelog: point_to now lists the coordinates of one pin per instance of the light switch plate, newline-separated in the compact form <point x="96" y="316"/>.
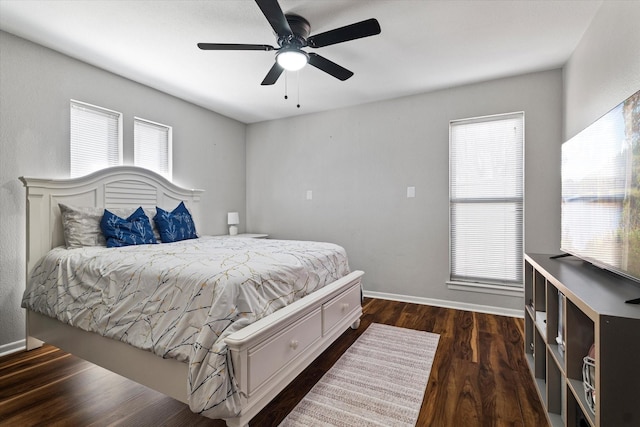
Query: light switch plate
<point x="411" y="192"/>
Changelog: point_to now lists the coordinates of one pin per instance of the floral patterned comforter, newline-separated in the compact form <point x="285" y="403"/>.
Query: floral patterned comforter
<point x="180" y="300"/>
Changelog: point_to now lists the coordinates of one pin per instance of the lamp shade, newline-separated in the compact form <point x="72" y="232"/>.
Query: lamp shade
<point x="233" y="218"/>
<point x="292" y="59"/>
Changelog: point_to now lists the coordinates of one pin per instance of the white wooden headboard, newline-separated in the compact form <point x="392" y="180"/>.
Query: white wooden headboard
<point x="116" y="187"/>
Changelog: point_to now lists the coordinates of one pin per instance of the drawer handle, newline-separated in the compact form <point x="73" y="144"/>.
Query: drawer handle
<point x="294" y="344"/>
<point x="345" y="306"/>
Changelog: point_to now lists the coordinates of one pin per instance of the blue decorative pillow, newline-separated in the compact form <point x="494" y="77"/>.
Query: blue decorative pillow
<point x="135" y="230"/>
<point x="176" y="225"/>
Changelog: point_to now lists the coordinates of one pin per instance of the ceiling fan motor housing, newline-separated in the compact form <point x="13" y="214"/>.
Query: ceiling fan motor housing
<point x="300" y="28"/>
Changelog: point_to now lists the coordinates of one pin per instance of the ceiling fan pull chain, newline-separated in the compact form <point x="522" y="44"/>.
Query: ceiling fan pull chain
<point x="298" y="88"/>
<point x="285" y="85"/>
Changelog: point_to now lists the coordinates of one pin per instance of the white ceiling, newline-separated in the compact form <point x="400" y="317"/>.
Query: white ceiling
<point x="424" y="45"/>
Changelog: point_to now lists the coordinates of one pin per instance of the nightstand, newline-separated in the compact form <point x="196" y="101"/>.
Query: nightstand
<point x="250" y="236"/>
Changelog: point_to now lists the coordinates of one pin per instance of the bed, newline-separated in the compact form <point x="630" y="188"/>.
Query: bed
<point x="260" y="354"/>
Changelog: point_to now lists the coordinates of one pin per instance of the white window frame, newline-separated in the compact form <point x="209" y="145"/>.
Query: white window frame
<point x="91" y="145"/>
<point x="139" y="161"/>
<point x="484" y="284"/>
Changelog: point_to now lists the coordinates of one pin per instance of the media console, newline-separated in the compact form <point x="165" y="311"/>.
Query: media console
<point x="571" y="305"/>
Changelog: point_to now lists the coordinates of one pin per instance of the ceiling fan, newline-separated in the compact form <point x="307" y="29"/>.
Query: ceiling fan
<point x="293" y="35"/>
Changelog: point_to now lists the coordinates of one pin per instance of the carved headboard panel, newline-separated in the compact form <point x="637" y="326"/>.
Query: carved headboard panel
<point x="116" y="187"/>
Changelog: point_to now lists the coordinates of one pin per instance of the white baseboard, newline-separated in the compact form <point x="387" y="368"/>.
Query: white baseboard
<point x="12" y="347"/>
<point x="447" y="304"/>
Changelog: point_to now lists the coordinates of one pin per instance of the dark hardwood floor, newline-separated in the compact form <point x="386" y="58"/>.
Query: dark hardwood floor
<point x="479" y="378"/>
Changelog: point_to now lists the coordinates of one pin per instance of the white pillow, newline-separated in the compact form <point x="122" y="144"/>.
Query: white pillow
<point x="81" y="225"/>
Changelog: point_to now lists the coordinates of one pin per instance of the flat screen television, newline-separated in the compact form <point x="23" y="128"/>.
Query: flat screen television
<point x="601" y="191"/>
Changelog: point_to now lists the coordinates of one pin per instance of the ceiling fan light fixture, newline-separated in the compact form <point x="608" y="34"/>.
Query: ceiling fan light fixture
<point x="292" y="59"/>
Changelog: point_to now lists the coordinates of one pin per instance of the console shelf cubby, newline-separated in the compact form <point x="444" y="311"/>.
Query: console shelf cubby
<point x="571" y="305"/>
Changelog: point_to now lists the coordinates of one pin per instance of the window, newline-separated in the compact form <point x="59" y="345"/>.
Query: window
<point x="152" y="146"/>
<point x="486" y="198"/>
<point x="96" y="138"/>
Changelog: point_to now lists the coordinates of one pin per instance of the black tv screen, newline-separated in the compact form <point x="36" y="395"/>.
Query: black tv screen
<point x="601" y="191"/>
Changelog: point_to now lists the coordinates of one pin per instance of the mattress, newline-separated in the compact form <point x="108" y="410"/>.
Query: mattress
<point x="180" y="300"/>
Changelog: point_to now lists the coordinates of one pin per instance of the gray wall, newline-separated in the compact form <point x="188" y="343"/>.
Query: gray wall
<point x="36" y="84"/>
<point x="605" y="67"/>
<point x="358" y="163"/>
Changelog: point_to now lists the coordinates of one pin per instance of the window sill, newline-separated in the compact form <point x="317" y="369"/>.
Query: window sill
<point x="486" y="288"/>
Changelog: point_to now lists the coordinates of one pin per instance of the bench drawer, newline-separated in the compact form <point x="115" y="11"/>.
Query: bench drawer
<point x="338" y="308"/>
<point x="269" y="357"/>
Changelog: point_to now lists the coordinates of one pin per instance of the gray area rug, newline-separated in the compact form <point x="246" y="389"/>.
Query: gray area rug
<point x="379" y="381"/>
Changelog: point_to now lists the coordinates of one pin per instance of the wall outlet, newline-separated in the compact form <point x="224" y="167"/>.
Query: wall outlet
<point x="411" y="192"/>
<point x="309" y="194"/>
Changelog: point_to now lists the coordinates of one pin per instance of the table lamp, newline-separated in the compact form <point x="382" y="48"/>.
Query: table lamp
<point x="233" y="219"/>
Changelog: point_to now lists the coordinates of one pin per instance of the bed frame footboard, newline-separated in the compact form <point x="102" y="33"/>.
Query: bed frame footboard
<point x="269" y="354"/>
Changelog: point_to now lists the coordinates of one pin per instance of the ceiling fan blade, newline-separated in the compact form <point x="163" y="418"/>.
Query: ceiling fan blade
<point x="272" y="11"/>
<point x="232" y="46"/>
<point x="369" y="27"/>
<point x="329" y="67"/>
<point x="272" y="75"/>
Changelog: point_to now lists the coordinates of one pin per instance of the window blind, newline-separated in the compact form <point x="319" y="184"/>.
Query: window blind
<point x="486" y="199"/>
<point x="96" y="138"/>
<point x="152" y="146"/>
